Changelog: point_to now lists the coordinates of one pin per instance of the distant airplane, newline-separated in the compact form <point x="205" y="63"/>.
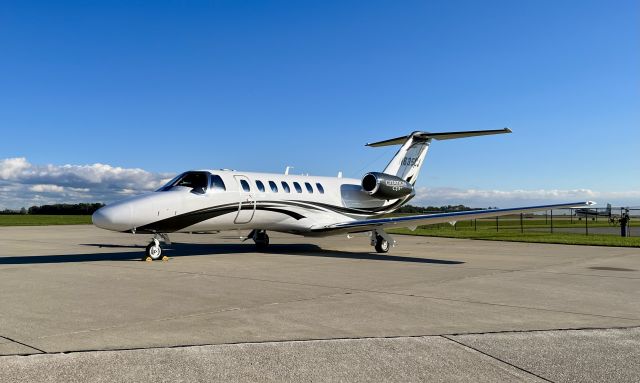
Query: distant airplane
<point x="592" y="213"/>
<point x="214" y="200"/>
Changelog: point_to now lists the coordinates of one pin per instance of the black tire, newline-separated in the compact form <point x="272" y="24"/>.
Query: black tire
<point x="382" y="245"/>
<point x="262" y="241"/>
<point x="153" y="251"/>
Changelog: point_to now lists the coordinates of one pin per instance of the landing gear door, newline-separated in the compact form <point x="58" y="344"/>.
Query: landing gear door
<point x="247" y="203"/>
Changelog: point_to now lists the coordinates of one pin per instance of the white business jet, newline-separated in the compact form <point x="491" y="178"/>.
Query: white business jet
<point x="215" y="200"/>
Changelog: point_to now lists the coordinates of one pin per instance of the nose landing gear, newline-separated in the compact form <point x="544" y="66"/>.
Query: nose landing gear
<point x="153" y="252"/>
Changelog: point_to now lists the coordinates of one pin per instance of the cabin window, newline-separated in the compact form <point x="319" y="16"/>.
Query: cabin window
<point x="273" y="186"/>
<point x="309" y="188"/>
<point x="320" y="188"/>
<point x="297" y="187"/>
<point x="245" y="185"/>
<point x="217" y="183"/>
<point x="285" y="187"/>
<point x="260" y="186"/>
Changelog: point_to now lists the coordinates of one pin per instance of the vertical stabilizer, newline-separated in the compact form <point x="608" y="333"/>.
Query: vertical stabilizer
<point x="407" y="162"/>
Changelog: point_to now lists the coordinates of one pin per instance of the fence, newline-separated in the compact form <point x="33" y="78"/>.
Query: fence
<point x="585" y="221"/>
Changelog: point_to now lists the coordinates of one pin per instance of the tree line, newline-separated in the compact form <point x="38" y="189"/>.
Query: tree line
<point x="58" y="209"/>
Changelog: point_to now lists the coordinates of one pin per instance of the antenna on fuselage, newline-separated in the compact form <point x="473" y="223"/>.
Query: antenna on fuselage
<point x="286" y="171"/>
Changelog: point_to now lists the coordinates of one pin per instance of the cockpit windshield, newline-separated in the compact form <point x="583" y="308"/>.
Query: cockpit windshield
<point x="197" y="181"/>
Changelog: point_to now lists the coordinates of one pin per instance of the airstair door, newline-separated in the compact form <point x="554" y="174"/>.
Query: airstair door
<point x="247" y="202"/>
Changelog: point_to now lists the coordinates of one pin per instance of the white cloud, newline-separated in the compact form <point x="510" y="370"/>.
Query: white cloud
<point x="11" y="167"/>
<point x="46" y="188"/>
<point x="26" y="184"/>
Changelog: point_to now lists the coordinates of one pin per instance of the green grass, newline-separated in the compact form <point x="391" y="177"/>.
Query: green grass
<point x="40" y="220"/>
<point x="485" y="232"/>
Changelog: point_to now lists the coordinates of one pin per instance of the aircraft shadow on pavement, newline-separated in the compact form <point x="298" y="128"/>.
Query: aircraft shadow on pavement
<point x="178" y="250"/>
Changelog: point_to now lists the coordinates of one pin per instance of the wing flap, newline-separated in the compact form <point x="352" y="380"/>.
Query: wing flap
<point x="428" y="219"/>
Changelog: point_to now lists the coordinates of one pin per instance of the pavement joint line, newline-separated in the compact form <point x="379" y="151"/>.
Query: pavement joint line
<point x="177" y="317"/>
<point x="23" y="344"/>
<point x="544" y="330"/>
<point x="80" y="351"/>
<point x="378" y="292"/>
<point x="310" y="299"/>
<point x="496" y="358"/>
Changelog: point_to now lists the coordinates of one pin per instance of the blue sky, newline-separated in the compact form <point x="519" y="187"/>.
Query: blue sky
<point x="166" y="86"/>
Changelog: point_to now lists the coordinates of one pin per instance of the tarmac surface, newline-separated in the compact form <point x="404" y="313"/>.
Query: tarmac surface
<point x="77" y="304"/>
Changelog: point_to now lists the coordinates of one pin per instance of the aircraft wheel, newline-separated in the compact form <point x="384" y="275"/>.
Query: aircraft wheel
<point x="153" y="251"/>
<point x="262" y="241"/>
<point x="382" y="245"/>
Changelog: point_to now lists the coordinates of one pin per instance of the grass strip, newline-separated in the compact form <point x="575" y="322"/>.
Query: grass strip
<point x="42" y="220"/>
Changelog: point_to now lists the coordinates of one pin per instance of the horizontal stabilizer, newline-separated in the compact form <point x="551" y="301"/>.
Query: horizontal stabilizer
<point x="438" y="136"/>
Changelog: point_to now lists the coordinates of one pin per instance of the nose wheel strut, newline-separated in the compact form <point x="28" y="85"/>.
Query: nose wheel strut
<point x="153" y="251"/>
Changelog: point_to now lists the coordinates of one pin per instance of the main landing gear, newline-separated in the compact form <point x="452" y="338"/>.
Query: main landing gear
<point x="260" y="238"/>
<point x="153" y="252"/>
<point x="381" y="241"/>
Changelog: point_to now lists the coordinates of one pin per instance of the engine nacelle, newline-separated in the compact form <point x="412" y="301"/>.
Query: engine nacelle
<point x="385" y="186"/>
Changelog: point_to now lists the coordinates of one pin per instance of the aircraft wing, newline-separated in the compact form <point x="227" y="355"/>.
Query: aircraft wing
<point x="428" y="219"/>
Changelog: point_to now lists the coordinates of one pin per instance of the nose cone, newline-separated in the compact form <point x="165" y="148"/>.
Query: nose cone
<point x="99" y="218"/>
<point x="116" y="217"/>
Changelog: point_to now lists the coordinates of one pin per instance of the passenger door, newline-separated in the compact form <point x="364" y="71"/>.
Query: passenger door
<point x="247" y="202"/>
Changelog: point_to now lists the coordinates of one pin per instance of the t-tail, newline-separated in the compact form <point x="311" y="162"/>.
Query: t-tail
<point x="395" y="184"/>
<point x="408" y="161"/>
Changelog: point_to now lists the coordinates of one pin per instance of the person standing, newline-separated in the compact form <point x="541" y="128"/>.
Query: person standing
<point x="624" y="222"/>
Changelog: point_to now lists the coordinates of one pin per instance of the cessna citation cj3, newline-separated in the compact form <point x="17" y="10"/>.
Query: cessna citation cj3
<point x="214" y="200"/>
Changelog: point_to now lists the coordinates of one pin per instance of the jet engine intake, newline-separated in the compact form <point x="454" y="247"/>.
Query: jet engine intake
<point x="385" y="186"/>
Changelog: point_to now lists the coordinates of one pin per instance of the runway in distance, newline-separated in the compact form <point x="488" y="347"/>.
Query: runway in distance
<point x="217" y="200"/>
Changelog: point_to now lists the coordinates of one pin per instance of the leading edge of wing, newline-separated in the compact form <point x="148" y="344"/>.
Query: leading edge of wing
<point x="427" y="219"/>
